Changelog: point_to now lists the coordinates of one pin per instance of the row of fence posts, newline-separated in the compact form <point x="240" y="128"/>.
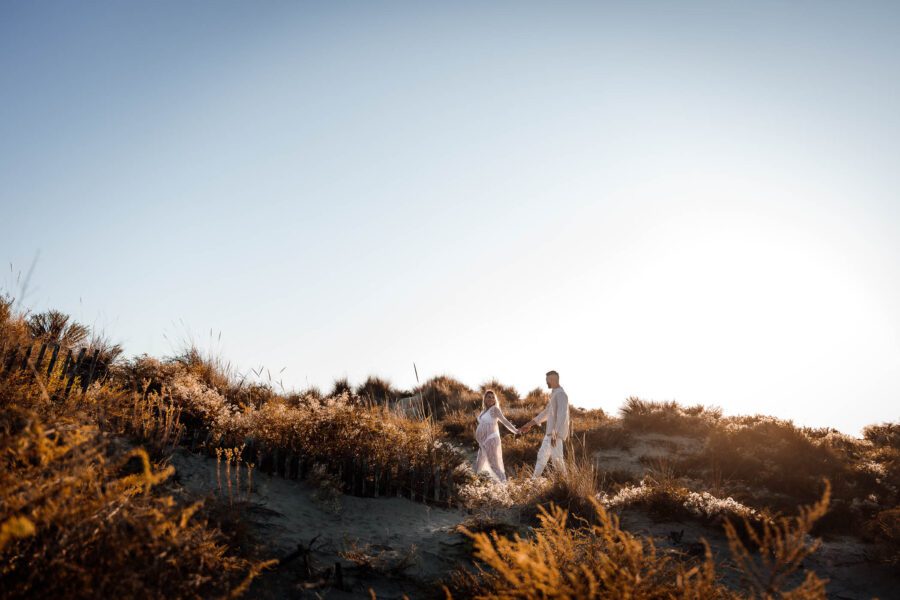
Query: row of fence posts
<point x="81" y="365"/>
<point x="429" y="484"/>
<point x="358" y="476"/>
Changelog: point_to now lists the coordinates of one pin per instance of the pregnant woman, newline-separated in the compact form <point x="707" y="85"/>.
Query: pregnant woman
<point x="487" y="434"/>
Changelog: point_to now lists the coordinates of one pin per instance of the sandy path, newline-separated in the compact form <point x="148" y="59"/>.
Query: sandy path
<point x="286" y="514"/>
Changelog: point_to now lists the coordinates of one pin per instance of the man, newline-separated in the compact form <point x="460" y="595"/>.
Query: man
<point x="556" y="414"/>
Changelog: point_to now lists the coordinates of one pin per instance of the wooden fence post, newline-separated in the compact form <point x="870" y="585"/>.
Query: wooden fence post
<point x="90" y="377"/>
<point x="40" y="358"/>
<point x="52" y="360"/>
<point x="74" y="371"/>
<point x="65" y="368"/>
<point x="11" y="359"/>
<point x="25" y="358"/>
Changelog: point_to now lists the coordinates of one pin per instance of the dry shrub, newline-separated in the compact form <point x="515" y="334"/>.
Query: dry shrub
<point x="330" y="432"/>
<point x="146" y="373"/>
<point x="573" y="490"/>
<point x="667" y="501"/>
<point x="327" y="488"/>
<point x="55" y="327"/>
<point x="668" y="417"/>
<point x="84" y="513"/>
<point x="884" y="435"/>
<point x="443" y="394"/>
<point x="507" y="394"/>
<point x="371" y="559"/>
<point x="460" y="425"/>
<point x="884" y="530"/>
<point x="535" y="399"/>
<point x="783" y="547"/>
<point x="600" y="560"/>
<point x="13" y="327"/>
<point x="211" y="369"/>
<point x="376" y="390"/>
<point x="81" y="520"/>
<point x="340" y="387"/>
<point x="783" y="463"/>
<point x="607" y="434"/>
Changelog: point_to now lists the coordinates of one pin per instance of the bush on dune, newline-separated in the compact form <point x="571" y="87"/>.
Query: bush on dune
<point x="884" y="531"/>
<point x="329" y="431"/>
<point x="376" y="390"/>
<point x="506" y="393"/>
<point x="598" y="559"/>
<point x="443" y="394"/>
<point x="668" y="417"/>
<point x="884" y="435"/>
<point x="85" y="516"/>
<point x="883" y="528"/>
<point x="460" y="425"/>
<point x="536" y="399"/>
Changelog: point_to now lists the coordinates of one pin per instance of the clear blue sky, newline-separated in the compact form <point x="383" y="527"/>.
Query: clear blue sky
<point x="691" y="201"/>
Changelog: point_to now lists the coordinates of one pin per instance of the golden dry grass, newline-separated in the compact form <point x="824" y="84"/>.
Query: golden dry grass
<point x="598" y="559"/>
<point x="84" y="513"/>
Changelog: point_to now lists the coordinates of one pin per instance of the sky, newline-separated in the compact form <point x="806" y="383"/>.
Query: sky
<point x="676" y="201"/>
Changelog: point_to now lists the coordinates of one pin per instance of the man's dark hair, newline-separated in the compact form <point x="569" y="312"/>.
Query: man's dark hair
<point x="552" y="373"/>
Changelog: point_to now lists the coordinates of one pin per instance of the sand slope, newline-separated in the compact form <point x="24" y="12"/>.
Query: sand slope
<point x="285" y="514"/>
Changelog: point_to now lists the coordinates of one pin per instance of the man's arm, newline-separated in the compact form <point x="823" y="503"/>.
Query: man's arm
<point x="561" y="422"/>
<point x="537" y="420"/>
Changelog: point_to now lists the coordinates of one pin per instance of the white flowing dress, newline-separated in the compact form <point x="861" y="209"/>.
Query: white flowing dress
<point x="487" y="434"/>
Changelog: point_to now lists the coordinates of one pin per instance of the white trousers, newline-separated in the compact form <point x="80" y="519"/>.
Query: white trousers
<point x="547" y="451"/>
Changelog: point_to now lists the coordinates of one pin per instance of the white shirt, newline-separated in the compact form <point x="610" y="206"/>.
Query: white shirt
<point x="556" y="414"/>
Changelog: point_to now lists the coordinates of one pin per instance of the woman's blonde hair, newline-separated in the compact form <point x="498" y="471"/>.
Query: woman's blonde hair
<point x="492" y="393"/>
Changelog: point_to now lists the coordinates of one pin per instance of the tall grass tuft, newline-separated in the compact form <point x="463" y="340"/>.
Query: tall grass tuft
<point x="598" y="559"/>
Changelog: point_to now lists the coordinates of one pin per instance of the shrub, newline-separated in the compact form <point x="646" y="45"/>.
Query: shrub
<point x="884" y="530"/>
<point x="668" y="417"/>
<point x="507" y="394"/>
<point x="443" y="394"/>
<point x="538" y="396"/>
<point x="55" y="327"/>
<point x="773" y="453"/>
<point x="600" y="560"/>
<point x="885" y="435"/>
<point x="81" y="519"/>
<point x="605" y="435"/>
<point x="340" y="387"/>
<point x="378" y="391"/>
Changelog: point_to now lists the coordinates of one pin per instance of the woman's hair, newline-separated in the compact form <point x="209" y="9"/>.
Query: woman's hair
<point x="492" y="393"/>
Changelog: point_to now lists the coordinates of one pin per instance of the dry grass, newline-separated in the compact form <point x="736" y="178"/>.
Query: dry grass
<point x="668" y="417"/>
<point x="755" y="467"/>
<point x="507" y="394"/>
<point x="84" y="513"/>
<point x="442" y="395"/>
<point x="597" y="559"/>
<point x="83" y="519"/>
<point x="375" y="390"/>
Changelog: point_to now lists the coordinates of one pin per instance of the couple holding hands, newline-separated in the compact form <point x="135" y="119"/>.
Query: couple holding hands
<point x="555" y="414"/>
